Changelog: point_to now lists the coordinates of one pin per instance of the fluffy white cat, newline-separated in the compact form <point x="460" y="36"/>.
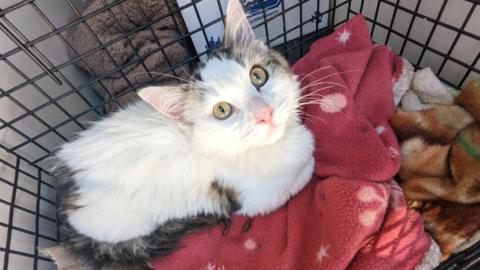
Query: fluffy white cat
<point x="187" y="155"/>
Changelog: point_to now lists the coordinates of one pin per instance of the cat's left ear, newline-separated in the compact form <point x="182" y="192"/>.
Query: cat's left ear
<point x="171" y="101"/>
<point x="237" y="28"/>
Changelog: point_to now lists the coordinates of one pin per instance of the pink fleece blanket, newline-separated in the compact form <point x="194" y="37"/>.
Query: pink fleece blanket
<point x="352" y="214"/>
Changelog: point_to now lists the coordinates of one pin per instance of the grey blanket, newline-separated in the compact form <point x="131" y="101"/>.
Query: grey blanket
<point x="110" y="25"/>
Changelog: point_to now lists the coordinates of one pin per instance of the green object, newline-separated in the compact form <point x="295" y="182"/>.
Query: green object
<point x="471" y="149"/>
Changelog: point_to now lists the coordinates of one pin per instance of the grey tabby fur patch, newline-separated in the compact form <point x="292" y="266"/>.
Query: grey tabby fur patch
<point x="241" y="52"/>
<point x="135" y="252"/>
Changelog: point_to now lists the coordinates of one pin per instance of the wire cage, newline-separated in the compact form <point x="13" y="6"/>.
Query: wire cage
<point x="45" y="98"/>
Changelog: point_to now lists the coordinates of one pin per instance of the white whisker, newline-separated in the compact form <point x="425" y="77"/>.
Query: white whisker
<point x="314" y="93"/>
<point x="311" y="118"/>
<point x="331" y="83"/>
<point x="310" y="73"/>
<point x="168" y="75"/>
<point x="330" y="75"/>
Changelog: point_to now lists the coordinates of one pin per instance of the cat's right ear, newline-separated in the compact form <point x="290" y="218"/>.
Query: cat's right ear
<point x="168" y="100"/>
<point x="237" y="28"/>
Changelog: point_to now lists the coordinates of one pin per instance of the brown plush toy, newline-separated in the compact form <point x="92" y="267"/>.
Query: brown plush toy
<point x="440" y="170"/>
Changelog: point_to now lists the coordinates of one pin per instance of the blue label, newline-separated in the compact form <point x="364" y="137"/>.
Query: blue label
<point x="255" y="6"/>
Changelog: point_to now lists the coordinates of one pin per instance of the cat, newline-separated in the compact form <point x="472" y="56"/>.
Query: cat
<point x="186" y="156"/>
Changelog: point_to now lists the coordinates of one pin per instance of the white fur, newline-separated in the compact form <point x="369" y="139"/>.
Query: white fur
<point x="135" y="170"/>
<point x="229" y="81"/>
<point x="401" y="86"/>
<point x="237" y="26"/>
<point x="138" y="168"/>
<point x="430" y="89"/>
<point x="146" y="163"/>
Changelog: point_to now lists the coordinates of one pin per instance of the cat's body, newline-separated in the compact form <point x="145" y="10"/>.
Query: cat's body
<point x="135" y="173"/>
<point x="187" y="156"/>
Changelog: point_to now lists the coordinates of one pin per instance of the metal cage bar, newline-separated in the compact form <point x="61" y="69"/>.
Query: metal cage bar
<point x="31" y="167"/>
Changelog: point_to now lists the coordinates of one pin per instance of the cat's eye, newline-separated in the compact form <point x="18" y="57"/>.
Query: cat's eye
<point x="258" y="76"/>
<point x="222" y="110"/>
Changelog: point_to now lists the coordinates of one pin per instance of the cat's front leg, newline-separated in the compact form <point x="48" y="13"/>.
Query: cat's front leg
<point x="262" y="196"/>
<point x="303" y="177"/>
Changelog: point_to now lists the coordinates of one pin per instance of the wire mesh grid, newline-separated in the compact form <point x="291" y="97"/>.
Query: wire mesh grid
<point x="45" y="98"/>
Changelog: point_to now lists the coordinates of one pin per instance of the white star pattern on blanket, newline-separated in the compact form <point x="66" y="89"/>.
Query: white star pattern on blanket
<point x="211" y="266"/>
<point x="368" y="194"/>
<point x="322" y="253"/>
<point x="333" y="103"/>
<point x="250" y="244"/>
<point x="344" y="36"/>
<point x="380" y="129"/>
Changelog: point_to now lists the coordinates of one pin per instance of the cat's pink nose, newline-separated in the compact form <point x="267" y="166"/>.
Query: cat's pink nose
<point x="265" y="116"/>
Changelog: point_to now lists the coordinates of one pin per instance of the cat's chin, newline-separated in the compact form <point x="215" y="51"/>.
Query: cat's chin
<point x="273" y="134"/>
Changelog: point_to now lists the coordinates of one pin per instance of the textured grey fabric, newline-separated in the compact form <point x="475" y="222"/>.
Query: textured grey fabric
<point x="124" y="18"/>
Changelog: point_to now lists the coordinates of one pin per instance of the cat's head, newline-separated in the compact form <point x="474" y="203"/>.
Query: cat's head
<point x="244" y="96"/>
